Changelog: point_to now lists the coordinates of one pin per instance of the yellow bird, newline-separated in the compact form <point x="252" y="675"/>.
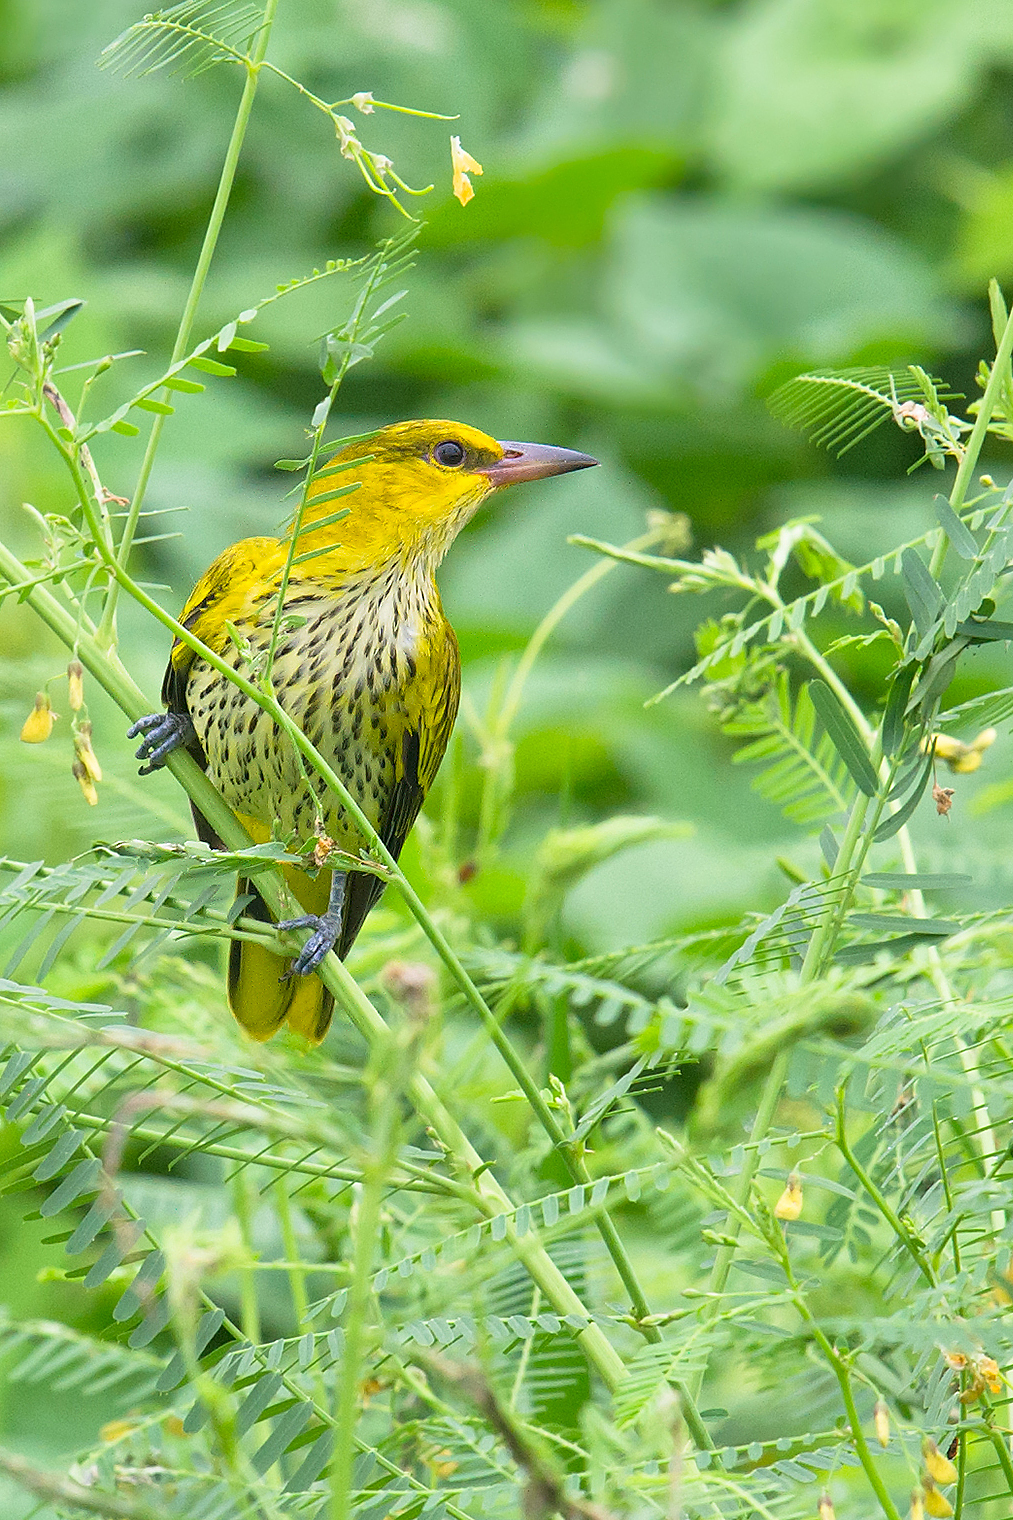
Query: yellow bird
<point x="366" y="664"/>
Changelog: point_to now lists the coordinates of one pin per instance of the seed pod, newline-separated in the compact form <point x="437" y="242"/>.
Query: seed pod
<point x="936" y="1504"/>
<point x="39" y="724"/>
<point x="881" y="1420"/>
<point x="85" y="782"/>
<point x="84" y="751"/>
<point x="940" y="1468"/>
<point x="75" y="683"/>
<point x="789" y="1205"/>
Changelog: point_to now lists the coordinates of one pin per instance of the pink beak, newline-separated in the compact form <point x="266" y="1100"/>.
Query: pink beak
<point x="533" y="461"/>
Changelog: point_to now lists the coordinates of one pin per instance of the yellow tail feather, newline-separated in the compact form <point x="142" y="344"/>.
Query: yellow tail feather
<point x="259" y="997"/>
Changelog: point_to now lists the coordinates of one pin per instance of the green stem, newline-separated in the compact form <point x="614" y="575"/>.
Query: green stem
<point x="107" y="625"/>
<point x="1001" y="1443"/>
<point x="901" y="1231"/>
<point x="297" y="1271"/>
<point x="968" y="463"/>
<point x="376" y="1168"/>
<point x="242" y="1205"/>
<point x="821" y="943"/>
<point x="958" y="1498"/>
<point x="843" y="1377"/>
<point x="718" y="1276"/>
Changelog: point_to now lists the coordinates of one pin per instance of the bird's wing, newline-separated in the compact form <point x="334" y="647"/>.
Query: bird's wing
<point x="219" y="597"/>
<point x="216" y="599"/>
<point x="423" y="746"/>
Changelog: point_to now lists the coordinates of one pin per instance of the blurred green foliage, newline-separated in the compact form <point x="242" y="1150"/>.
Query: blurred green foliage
<point x="682" y="204"/>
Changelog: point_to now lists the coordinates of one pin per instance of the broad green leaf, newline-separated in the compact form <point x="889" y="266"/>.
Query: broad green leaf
<point x="929" y="927"/>
<point x="211" y="366"/>
<point x="844" y="736"/>
<point x="180" y="383"/>
<point x="986" y="632"/>
<point x="896" y="708"/>
<point x="958" y="533"/>
<point x="897" y="820"/>
<point x="917" y="881"/>
<point x="922" y="592"/>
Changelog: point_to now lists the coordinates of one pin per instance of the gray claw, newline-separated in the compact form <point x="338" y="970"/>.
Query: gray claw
<point x="326" y="930"/>
<point x="163" y="733"/>
<point x="325" y="936"/>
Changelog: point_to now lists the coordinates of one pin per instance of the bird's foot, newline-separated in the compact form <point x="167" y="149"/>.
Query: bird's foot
<point x="326" y="929"/>
<point x="163" y="733"/>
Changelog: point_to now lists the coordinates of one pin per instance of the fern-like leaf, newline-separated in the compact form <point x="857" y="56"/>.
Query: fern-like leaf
<point x="186" y="39"/>
<point x="838" y="408"/>
<point x="803" y="773"/>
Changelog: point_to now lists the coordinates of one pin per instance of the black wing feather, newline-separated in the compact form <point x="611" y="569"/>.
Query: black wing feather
<point x="407" y="796"/>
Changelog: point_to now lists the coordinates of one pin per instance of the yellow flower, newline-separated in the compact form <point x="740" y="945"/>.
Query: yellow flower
<point x="940" y="1468"/>
<point x="917" y="1508"/>
<point x="936" y="1504"/>
<point x="789" y="1205"/>
<point x="960" y="757"/>
<point x="462" y="164"/>
<point x="85" y="782"/>
<point x="116" y="1430"/>
<point x="39" y="723"/>
<point x="881" y="1420"/>
<point x="75" y="682"/>
<point x="988" y="1369"/>
<point x="85" y="753"/>
<point x="826" y="1508"/>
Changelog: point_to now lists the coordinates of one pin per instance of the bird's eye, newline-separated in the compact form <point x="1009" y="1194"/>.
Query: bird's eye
<point x="449" y="453"/>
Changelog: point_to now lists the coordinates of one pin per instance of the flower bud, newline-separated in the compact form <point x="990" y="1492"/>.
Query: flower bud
<point x="789" y="1205"/>
<point x="960" y="757"/>
<point x="84" y="751"/>
<point x="826" y="1507"/>
<point x="917" y="1507"/>
<point x="412" y="984"/>
<point x="940" y="1468"/>
<point x="75" y="682"/>
<point x="85" y="782"/>
<point x="39" y="723"/>
<point x="881" y="1420"/>
<point x="363" y="101"/>
<point x="936" y="1504"/>
<point x="988" y="1369"/>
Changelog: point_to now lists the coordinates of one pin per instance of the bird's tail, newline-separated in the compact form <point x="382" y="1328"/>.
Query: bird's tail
<point x="259" y="994"/>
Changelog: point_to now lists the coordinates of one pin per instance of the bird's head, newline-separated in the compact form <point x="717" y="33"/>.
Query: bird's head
<point x="418" y="483"/>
